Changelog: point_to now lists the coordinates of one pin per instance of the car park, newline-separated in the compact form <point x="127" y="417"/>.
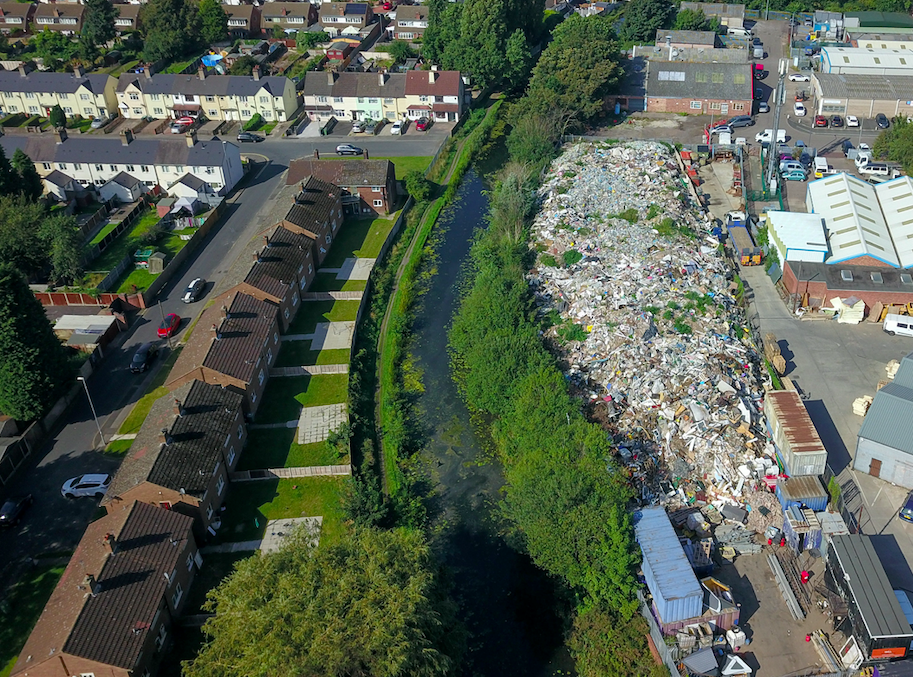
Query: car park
<point x="348" y="149"/>
<point x="143" y="357"/>
<point x="837" y="121"/>
<point x="799" y="77"/>
<point x="882" y="121"/>
<point x="423" y="124"/>
<point x="169" y="325"/>
<point x="13" y="508"/>
<point x="794" y="176"/>
<point x="358" y="127"/>
<point x="399" y="127"/>
<point x="820" y="121"/>
<point x="250" y="137"/>
<point x="799" y="109"/>
<point x="86" y="485"/>
<point x="852" y="121"/>
<point x="194" y="290"/>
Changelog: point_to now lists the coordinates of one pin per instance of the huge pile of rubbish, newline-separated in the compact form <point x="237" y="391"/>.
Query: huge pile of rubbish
<point x="642" y="302"/>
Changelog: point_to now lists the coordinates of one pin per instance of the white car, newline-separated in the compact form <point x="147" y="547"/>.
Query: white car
<point x="800" y="109"/>
<point x="86" y="485"/>
<point x="852" y="121"/>
<point x="799" y="77"/>
<point x="398" y="127"/>
<point x="358" y="127"/>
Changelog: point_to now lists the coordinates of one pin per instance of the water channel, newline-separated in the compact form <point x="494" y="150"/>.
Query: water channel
<point x="509" y="606"/>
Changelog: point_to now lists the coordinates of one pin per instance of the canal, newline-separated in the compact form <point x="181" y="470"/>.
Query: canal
<point x="510" y="607"/>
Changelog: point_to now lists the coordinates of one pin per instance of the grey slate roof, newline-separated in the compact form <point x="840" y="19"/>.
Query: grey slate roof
<point x="892" y="404"/>
<point x="197" y="438"/>
<point x="211" y="85"/>
<point x="47" y="82"/>
<point x="106" y="150"/>
<point x="58" y="178"/>
<point x="904" y="375"/>
<point x="193" y="182"/>
<point x="684" y="80"/>
<point x="878" y="87"/>
<point x="124" y="179"/>
<point x="317" y="83"/>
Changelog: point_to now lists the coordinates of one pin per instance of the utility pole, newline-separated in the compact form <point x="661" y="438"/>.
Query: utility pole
<point x="162" y="311"/>
<point x="772" y="154"/>
<point x="92" y="407"/>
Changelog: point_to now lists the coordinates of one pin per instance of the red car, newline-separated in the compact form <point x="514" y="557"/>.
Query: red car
<point x="820" y="121"/>
<point x="422" y="124"/>
<point x="388" y="5"/>
<point x="169" y="325"/>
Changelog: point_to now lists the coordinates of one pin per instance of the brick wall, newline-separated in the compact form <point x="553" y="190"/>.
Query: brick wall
<point x="660" y="105"/>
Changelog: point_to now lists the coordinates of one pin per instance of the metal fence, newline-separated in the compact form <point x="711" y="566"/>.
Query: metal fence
<point x="669" y="654"/>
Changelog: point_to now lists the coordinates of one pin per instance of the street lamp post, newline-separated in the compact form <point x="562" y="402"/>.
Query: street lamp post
<point x="162" y="311"/>
<point x="92" y="407"/>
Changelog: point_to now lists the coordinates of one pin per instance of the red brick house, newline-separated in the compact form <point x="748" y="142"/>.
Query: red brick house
<point x="699" y="88"/>
<point x="870" y="283"/>
<point x="368" y="186"/>
<point x="243" y="20"/>
<point x="317" y="213"/>
<point x="411" y="22"/>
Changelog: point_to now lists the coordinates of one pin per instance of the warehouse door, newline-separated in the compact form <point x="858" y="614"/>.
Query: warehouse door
<point x="875" y="468"/>
<point x="903" y="474"/>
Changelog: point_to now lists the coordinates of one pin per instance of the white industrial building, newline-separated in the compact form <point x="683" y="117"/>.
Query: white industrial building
<point x="896" y="200"/>
<point x="797" y="236"/>
<point x="863" y="95"/>
<point x="862" y="61"/>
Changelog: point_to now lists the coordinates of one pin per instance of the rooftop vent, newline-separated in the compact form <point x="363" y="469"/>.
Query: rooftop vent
<point x="846" y="275"/>
<point x="906" y="278"/>
<point x="877" y="278"/>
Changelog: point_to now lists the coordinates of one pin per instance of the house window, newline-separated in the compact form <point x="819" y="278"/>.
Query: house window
<point x="156" y="97"/>
<point x="220" y="485"/>
<point x="134" y="96"/>
<point x="264" y="99"/>
<point x="212" y="113"/>
<point x="33" y="109"/>
<point x="160" y="639"/>
<point x="240" y="432"/>
<point x="209" y="512"/>
<point x="137" y="111"/>
<point x="113" y="168"/>
<point x="275" y="337"/>
<point x="336" y="99"/>
<point x="99" y="168"/>
<point x="388" y="102"/>
<point x="738" y="106"/>
<point x="46" y="165"/>
<point x="375" y="189"/>
<point x="378" y="203"/>
<point x="130" y="168"/>
<point x="84" y="97"/>
<point x="64" y="96"/>
<point x="176" y="597"/>
<point x="361" y="99"/>
<point x="310" y="269"/>
<point x="423" y="98"/>
<point x="77" y="166"/>
<point x="189" y="562"/>
<point x="67" y="110"/>
<point x="158" y="111"/>
<point x="87" y="111"/>
<point x="696" y="105"/>
<point x="302" y="282"/>
<point x="260" y="377"/>
<point x="245" y="113"/>
<point x="294" y="299"/>
<point x="231" y="456"/>
<point x="143" y="168"/>
<point x="715" y="105"/>
<point x="61" y="165"/>
<point x="253" y="397"/>
<point x="286" y="313"/>
<point x="29" y="95"/>
<point x="210" y="98"/>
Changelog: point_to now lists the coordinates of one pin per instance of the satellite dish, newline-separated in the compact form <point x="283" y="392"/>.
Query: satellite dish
<point x="674" y="53"/>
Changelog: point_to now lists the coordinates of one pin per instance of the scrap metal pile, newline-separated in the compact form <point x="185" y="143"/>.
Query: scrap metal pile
<point x="642" y="304"/>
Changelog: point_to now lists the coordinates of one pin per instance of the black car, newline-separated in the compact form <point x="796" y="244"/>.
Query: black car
<point x="143" y="357"/>
<point x="836" y="121"/>
<point x="13" y="508"/>
<point x="194" y="290"/>
<point x="759" y="95"/>
<point x="882" y="121"/>
<point x="250" y="137"/>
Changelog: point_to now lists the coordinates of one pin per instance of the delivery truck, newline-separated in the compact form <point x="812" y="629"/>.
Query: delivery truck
<point x="742" y="243"/>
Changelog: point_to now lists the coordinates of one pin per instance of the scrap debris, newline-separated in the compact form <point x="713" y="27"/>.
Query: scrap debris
<point x="642" y="304"/>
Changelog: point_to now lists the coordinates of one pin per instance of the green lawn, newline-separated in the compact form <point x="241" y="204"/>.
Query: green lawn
<point x="103" y="232"/>
<point x="141" y="277"/>
<point x="279" y="449"/>
<point x="328" y="282"/>
<point x="285" y="396"/>
<point x="118" y="447"/>
<point x="299" y="354"/>
<point x="251" y="504"/>
<point x="21" y="610"/>
<point x="359" y="238"/>
<point x="314" y="312"/>
<point x="177" y="67"/>
<point x="126" y="243"/>
<point x="268" y="127"/>
<point x="404" y="165"/>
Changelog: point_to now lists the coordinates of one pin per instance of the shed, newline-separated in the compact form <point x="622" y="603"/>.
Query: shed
<point x="798" y="444"/>
<point x="797" y="236"/>
<point x="677" y="595"/>
<point x="878" y="622"/>
<point x="883" y="448"/>
<point x="802" y="492"/>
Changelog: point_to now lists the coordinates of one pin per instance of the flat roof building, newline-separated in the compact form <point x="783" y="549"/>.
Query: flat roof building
<point x="797" y="236"/>
<point x="708" y="88"/>
<point x="863" y="95"/>
<point x="862" y="61"/>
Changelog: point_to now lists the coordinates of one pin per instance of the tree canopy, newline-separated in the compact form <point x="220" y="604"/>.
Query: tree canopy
<point x="53" y="47"/>
<point x="57" y="117"/>
<point x="418" y="186"/>
<point x="171" y="28"/>
<point x="243" y="66"/>
<point x="214" y="21"/>
<point x="29" y="184"/>
<point x="694" y="20"/>
<point x="896" y="144"/>
<point x="371" y="603"/>
<point x="34" y="365"/>
<point x="37" y="243"/>
<point x="97" y="26"/>
<point x="644" y="17"/>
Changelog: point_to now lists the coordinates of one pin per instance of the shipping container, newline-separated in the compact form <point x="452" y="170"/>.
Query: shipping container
<point x="798" y="444"/>
<point x="803" y="492"/>
<point x="718" y="607"/>
<point x="801" y="529"/>
<point x="677" y="595"/>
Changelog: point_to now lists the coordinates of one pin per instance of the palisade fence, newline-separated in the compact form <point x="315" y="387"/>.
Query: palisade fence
<point x="669" y="654"/>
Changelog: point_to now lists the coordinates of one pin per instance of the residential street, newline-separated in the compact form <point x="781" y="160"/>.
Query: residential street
<point x="55" y="524"/>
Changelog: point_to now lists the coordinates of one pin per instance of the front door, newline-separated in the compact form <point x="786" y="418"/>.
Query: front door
<point x="875" y="468"/>
<point x="724" y="109"/>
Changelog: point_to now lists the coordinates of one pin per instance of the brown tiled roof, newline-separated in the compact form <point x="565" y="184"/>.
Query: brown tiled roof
<point x="20" y="9"/>
<point x="446" y="83"/>
<point x="412" y="13"/>
<point x="279" y="262"/>
<point x="111" y="626"/>
<point x="314" y="204"/>
<point x="240" y="11"/>
<point x="59" y="9"/>
<point x="344" y="173"/>
<point x="317" y="83"/>
<point x="128" y="11"/>
<point x="242" y="337"/>
<point x="285" y="9"/>
<point x="196" y="441"/>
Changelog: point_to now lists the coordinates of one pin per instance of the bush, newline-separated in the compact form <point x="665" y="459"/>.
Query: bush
<point x="254" y="123"/>
<point x="571" y="256"/>
<point x="418" y="186"/>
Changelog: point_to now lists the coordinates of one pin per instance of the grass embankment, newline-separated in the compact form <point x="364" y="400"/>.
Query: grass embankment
<point x="404" y="165"/>
<point x="395" y="331"/>
<point x="21" y="609"/>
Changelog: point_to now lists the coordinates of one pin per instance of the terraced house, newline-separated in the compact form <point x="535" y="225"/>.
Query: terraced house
<point x="290" y="16"/>
<point x="243" y="20"/>
<point x="36" y="93"/>
<point x="317" y="213"/>
<point x="15" y="16"/>
<point x="63" y="18"/>
<point x="345" y="18"/>
<point x="182" y="455"/>
<point x="367" y="186"/>
<point x="217" y="97"/>
<point x="411" y="22"/>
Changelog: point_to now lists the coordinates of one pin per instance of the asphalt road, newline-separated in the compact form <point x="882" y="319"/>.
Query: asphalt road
<point x="55" y="524"/>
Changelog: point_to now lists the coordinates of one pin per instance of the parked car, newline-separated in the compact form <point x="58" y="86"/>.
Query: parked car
<point x="799" y="77"/>
<point x="423" y="124"/>
<point x="99" y="122"/>
<point x="740" y="121"/>
<point x="790" y="165"/>
<point x="759" y="73"/>
<point x="169" y="325"/>
<point x="143" y="357"/>
<point x="86" y="485"/>
<point x="13" y="509"/>
<point x="820" y="121"/>
<point x="799" y="109"/>
<point x="250" y="137"/>
<point x="370" y="126"/>
<point x="882" y="121"/>
<point x="721" y="129"/>
<point x="759" y="95"/>
<point x="348" y="149"/>
<point x="794" y="175"/>
<point x="808" y="22"/>
<point x="906" y="512"/>
<point x="398" y="127"/>
<point x="389" y="5"/>
<point x="852" y="121"/>
<point x="837" y="121"/>
<point x="179" y="128"/>
<point x="763" y="107"/>
<point x="358" y="127"/>
<point x="194" y="290"/>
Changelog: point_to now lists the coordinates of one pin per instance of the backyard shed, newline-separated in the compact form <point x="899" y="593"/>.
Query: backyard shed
<point x="802" y="492"/>
<point x="677" y="595"/>
<point x="799" y="447"/>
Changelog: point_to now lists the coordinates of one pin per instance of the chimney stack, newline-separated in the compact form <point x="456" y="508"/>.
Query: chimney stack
<point x="77" y="72"/>
<point x="201" y="72"/>
<point x="164" y="437"/>
<point x="224" y="312"/>
<point x="256" y="72"/>
<point x="331" y="77"/>
<point x="215" y="332"/>
<point x="60" y="135"/>
<point x="147" y="71"/>
<point x="178" y="407"/>
<point x="266" y="240"/>
<point x="110" y="542"/>
<point x="191" y="138"/>
<point x="126" y="137"/>
<point x="22" y="71"/>
<point x="432" y="76"/>
<point x="381" y="79"/>
<point x="90" y="582"/>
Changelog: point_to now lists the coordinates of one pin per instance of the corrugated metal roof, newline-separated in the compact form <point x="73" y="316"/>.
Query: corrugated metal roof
<point x="857" y="57"/>
<point x="802" y="488"/>
<point x="856" y="86"/>
<point x="892" y="404"/>
<point x="904" y="375"/>
<point x="896" y="200"/>
<point x="869" y="586"/>
<point x="662" y="550"/>
<point x="793" y="418"/>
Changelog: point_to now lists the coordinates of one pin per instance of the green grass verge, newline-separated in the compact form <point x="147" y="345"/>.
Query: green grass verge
<point x="284" y="397"/>
<point x="361" y="238"/>
<point x="314" y="312"/>
<point x="328" y="282"/>
<point x="251" y="504"/>
<point x="404" y="165"/>
<point x="118" y="447"/>
<point x="278" y="448"/>
<point x="299" y="354"/>
<point x="21" y="610"/>
<point x="156" y="389"/>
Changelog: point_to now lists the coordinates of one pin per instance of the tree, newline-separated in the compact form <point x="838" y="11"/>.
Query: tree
<point x="97" y="26"/>
<point x="368" y="603"/>
<point x="896" y="144"/>
<point x="305" y="40"/>
<point x="690" y="20"/>
<point x="399" y="51"/>
<point x="38" y="245"/>
<point x="214" y="21"/>
<point x="57" y="117"/>
<point x="64" y="247"/>
<point x="243" y="66"/>
<point x="9" y="181"/>
<point x="644" y="17"/>
<point x="603" y="644"/>
<point x="418" y="186"/>
<point x="30" y="184"/>
<point x="519" y="60"/>
<point x="171" y="28"/>
<point x="53" y="47"/>
<point x="33" y="364"/>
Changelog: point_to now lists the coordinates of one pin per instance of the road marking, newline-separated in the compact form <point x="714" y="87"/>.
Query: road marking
<point x="875" y="500"/>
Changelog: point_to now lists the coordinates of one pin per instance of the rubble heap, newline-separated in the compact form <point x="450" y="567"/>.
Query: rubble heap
<point x="642" y="302"/>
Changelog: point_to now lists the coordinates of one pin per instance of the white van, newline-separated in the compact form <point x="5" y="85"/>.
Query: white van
<point x="821" y="167"/>
<point x="863" y="157"/>
<point x="876" y="169"/>
<point x="738" y="32"/>
<point x="898" y="324"/>
<point x="767" y="136"/>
